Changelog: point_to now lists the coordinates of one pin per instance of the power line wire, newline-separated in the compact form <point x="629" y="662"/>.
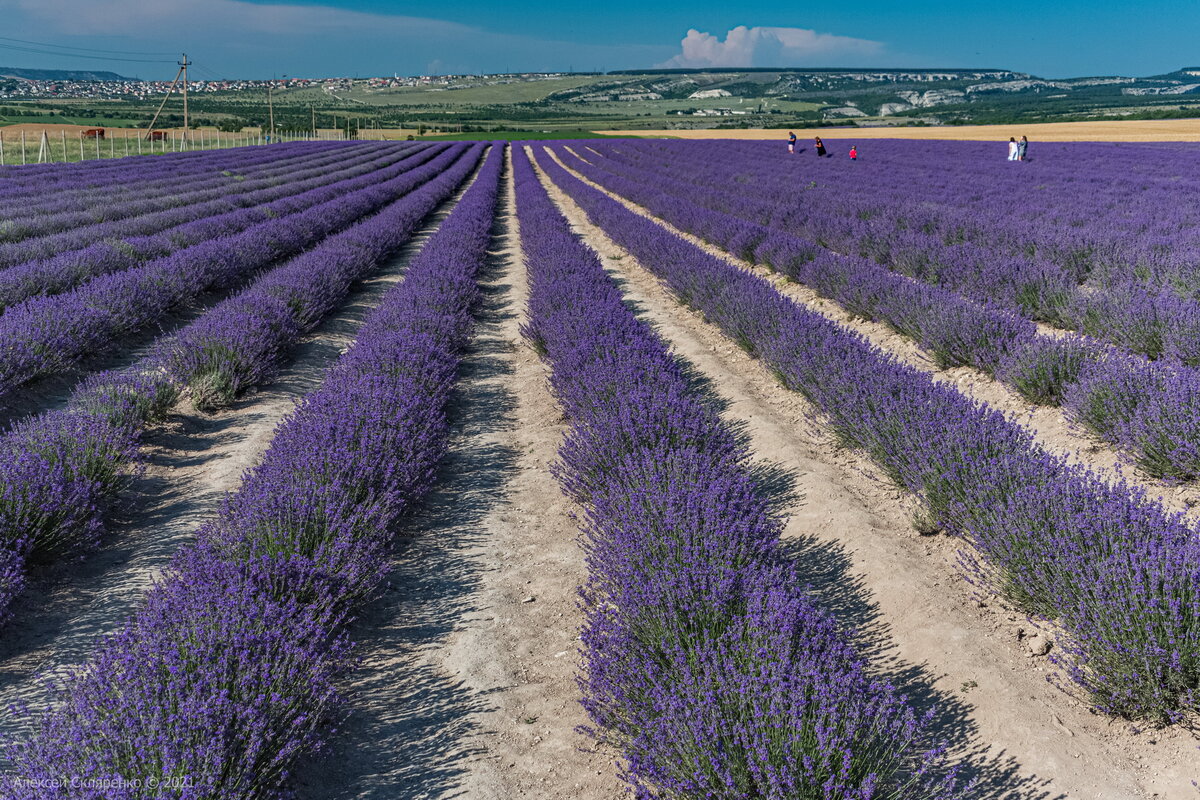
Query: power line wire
<point x="80" y="55"/>
<point x="210" y="75"/>
<point x="87" y="49"/>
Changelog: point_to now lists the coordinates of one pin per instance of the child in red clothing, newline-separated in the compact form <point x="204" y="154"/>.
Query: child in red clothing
<point x="854" y="153"/>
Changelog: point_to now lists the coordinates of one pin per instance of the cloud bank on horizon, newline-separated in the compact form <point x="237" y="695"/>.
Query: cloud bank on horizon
<point x="774" y="47"/>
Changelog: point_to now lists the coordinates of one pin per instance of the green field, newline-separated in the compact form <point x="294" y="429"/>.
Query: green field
<point x="65" y="117"/>
<point x="562" y="105"/>
<point x="515" y="92"/>
<point x="513" y="104"/>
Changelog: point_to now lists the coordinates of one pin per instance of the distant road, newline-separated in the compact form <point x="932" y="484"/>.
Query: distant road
<point x="1155" y="130"/>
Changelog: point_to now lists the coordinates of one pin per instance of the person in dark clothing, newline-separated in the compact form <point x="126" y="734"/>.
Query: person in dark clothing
<point x="791" y="142"/>
<point x="820" y="147"/>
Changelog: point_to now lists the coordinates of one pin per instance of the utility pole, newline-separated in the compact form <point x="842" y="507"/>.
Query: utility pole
<point x="271" y="109"/>
<point x="183" y="65"/>
<point x="313" y="110"/>
<point x="167" y="97"/>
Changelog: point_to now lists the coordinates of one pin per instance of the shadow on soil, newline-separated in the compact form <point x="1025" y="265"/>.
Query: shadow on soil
<point x="828" y="570"/>
<point x="410" y="724"/>
<point x="68" y="606"/>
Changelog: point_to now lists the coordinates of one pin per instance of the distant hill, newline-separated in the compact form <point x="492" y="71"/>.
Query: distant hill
<point x="655" y="99"/>
<point x="878" y="96"/>
<point x="60" y="74"/>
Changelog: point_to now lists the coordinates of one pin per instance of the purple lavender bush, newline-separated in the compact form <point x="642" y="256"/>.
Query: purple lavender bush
<point x="1055" y="255"/>
<point x="1060" y="541"/>
<point x="54" y="264"/>
<point x="1044" y="367"/>
<point x="705" y="660"/>
<point x="956" y="331"/>
<point x="159" y="205"/>
<point x="55" y="471"/>
<point x="1149" y="409"/>
<point x="46" y="335"/>
<point x="38" y="207"/>
<point x="238" y="343"/>
<point x="230" y="672"/>
<point x="241" y="341"/>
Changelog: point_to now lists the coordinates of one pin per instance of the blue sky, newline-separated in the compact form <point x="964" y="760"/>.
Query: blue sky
<point x="257" y="38"/>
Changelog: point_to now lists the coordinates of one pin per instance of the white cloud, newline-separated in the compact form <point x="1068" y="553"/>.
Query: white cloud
<point x="773" y="47"/>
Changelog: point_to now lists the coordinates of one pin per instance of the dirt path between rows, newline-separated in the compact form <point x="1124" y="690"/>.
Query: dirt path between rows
<point x="1049" y="426"/>
<point x="915" y="615"/>
<point x="193" y="461"/>
<point x="52" y="392"/>
<point x="467" y="687"/>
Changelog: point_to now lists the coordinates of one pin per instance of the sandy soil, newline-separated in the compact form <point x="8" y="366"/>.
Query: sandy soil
<point x="193" y="460"/>
<point x="53" y="391"/>
<point x="1159" y="130"/>
<point x="904" y="593"/>
<point x="467" y="687"/>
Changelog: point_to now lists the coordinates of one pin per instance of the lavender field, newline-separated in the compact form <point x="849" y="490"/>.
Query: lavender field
<point x="601" y="468"/>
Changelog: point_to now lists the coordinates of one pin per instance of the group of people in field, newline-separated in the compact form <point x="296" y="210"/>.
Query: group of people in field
<point x="820" y="147"/>
<point x="1017" y="151"/>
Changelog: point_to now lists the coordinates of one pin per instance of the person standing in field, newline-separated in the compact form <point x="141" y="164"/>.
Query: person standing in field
<point x="791" y="142"/>
<point x="820" y="147"/>
<point x="854" y="152"/>
<point x="1012" y="149"/>
<point x="1022" y="148"/>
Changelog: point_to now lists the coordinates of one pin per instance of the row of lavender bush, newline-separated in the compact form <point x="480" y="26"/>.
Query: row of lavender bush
<point x="956" y="331"/>
<point x="34" y="213"/>
<point x="231" y="671"/>
<point x="1094" y="212"/>
<point x="103" y="252"/>
<point x="238" y="343"/>
<point x="44" y="335"/>
<point x="64" y="465"/>
<point x="1119" y="574"/>
<point x="98" y="173"/>
<point x="706" y="662"/>
<point x="1148" y="409"/>
<point x="1158" y="319"/>
<point x="40" y="206"/>
<point x="91" y="179"/>
<point x="742" y="191"/>
<point x="221" y="191"/>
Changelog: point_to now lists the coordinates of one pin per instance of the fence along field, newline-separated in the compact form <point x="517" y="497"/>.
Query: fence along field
<point x="32" y="143"/>
<point x="710" y="660"/>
